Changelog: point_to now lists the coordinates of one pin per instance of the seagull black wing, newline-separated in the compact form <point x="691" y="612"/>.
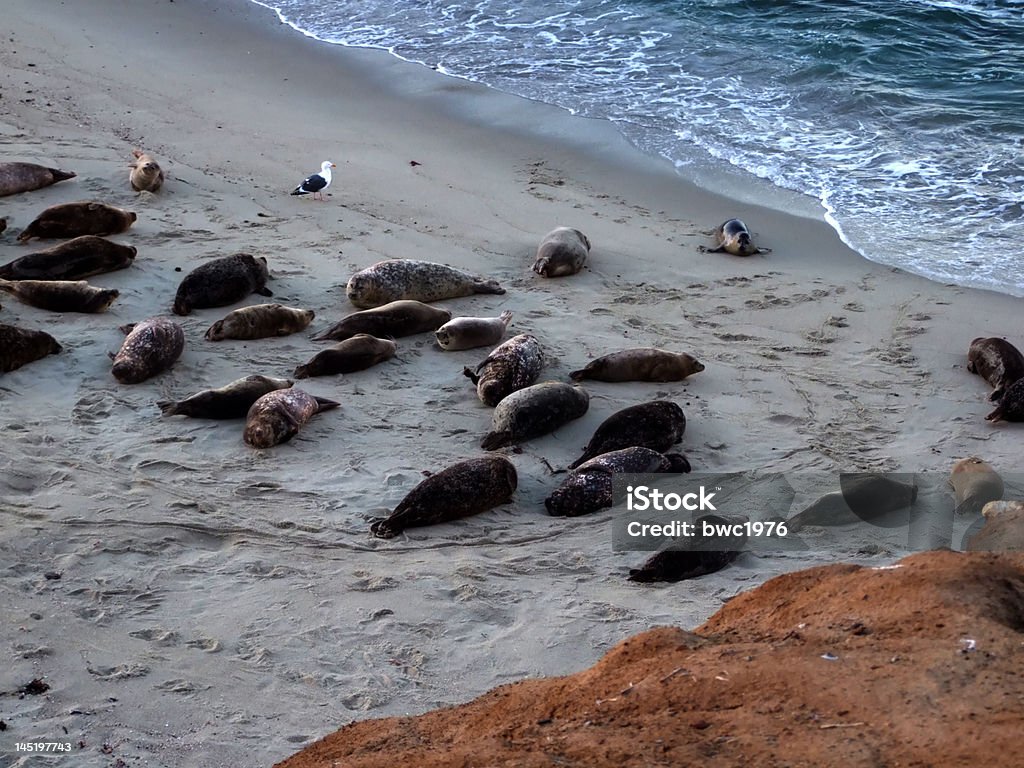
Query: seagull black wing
<point x="314" y="183"/>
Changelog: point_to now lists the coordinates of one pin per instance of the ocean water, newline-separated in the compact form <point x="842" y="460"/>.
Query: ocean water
<point x="903" y="119"/>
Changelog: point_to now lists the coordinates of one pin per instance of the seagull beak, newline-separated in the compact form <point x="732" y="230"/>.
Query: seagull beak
<point x="333" y="165"/>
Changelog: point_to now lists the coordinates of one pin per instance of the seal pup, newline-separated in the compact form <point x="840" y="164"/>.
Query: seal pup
<point x="563" y="251"/>
<point x="974" y="484"/>
<point x="260" y="321"/>
<point x="658" y="425"/>
<point x="463" y="489"/>
<point x="588" y="488"/>
<point x="277" y="416"/>
<point x="997" y="361"/>
<point x="511" y="366"/>
<point x="356" y="354"/>
<point x="699" y="559"/>
<point x="20" y="346"/>
<point x="316" y="183"/>
<point x="25" y="177"/>
<point x="396" y="279"/>
<point x="1011" y="406"/>
<point x="640" y="364"/>
<point x="85" y="217"/>
<point x="146" y="174"/>
<point x="472" y="332"/>
<point x="232" y="401"/>
<point x="396" y="319"/>
<point x="733" y="237"/>
<point x="149" y="348"/>
<point x="865" y="497"/>
<point x="222" y="281"/>
<point x="76" y="259"/>
<point x="61" y="295"/>
<point x="534" y="411"/>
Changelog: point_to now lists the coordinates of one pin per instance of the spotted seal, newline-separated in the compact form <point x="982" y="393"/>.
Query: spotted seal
<point x="25" y="177"/>
<point x="277" y="416"/>
<point x="699" y="556"/>
<point x="974" y="483"/>
<point x="232" y="401"/>
<point x="472" y="332"/>
<point x="640" y="364"/>
<point x="397" y="279"/>
<point x="356" y="354"/>
<point x="733" y="237"/>
<point x="150" y="347"/>
<point x="534" y="411"/>
<point x="658" y="425"/>
<point x="260" y="321"/>
<point x="21" y="346"/>
<point x="146" y="174"/>
<point x="997" y="361"/>
<point x="222" y="281"/>
<point x="396" y="319"/>
<point x="511" y="366"/>
<point x="1011" y="405"/>
<point x="61" y="295"/>
<point x="588" y="488"/>
<point x="84" y="217"/>
<point x="466" y="488"/>
<point x="563" y="251"/>
<point x="76" y="259"/>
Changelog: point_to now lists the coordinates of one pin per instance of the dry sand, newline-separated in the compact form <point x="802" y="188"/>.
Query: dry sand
<point x="223" y="606"/>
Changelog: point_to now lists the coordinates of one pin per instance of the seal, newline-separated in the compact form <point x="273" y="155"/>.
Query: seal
<point x="1003" y="528"/>
<point x="25" y="177"/>
<point x="277" y="416"/>
<point x="146" y="174"/>
<point x="640" y="364"/>
<point x="563" y="251"/>
<point x="865" y="497"/>
<point x="733" y="237"/>
<point x="260" y="321"/>
<point x="534" y="411"/>
<point x="151" y="347"/>
<point x="3" y="225"/>
<point x="21" y="346"/>
<point x="61" y="295"/>
<point x="397" y="279"/>
<point x="974" y="484"/>
<point x="589" y="487"/>
<point x="463" y="489"/>
<point x="997" y="361"/>
<point x="222" y="281"/>
<point x="76" y="259"/>
<point x="511" y="366"/>
<point x="1011" y="406"/>
<point x="396" y="319"/>
<point x="85" y="217"/>
<point x="356" y="354"/>
<point x="232" y="401"/>
<point x="701" y="556"/>
<point x="658" y="425"/>
<point x="472" y="332"/>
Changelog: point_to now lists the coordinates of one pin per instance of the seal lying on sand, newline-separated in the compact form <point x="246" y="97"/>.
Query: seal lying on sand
<point x="511" y="366"/>
<point x="61" y="295"/>
<point x="24" y="177"/>
<point x="588" y="488"/>
<point x="222" y="281"/>
<point x="74" y="260"/>
<point x="563" y="251"/>
<point x="1011" y="406"/>
<point x="397" y="279"/>
<point x="657" y="425"/>
<point x="355" y="354"/>
<point x="231" y="401"/>
<point x="534" y="411"/>
<point x="466" y="488"/>
<point x="85" y="217"/>
<point x="396" y="319"/>
<point x="472" y="332"/>
<point x="641" y="364"/>
<point x="733" y="237"/>
<point x="974" y="484"/>
<point x="997" y="361"/>
<point x="260" y="321"/>
<point x="146" y="174"/>
<point x="865" y="496"/>
<point x="20" y="346"/>
<point x="1002" y="530"/>
<point x="699" y="558"/>
<point x="150" y="347"/>
<point x="277" y="416"/>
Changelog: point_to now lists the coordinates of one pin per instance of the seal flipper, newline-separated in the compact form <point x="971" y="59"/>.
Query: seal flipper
<point x="494" y="440"/>
<point x="325" y="404"/>
<point x="382" y="530"/>
<point x="264" y="291"/>
<point x="126" y="329"/>
<point x="471" y="375"/>
<point x="168" y="407"/>
<point x="997" y="394"/>
<point x="59" y="175"/>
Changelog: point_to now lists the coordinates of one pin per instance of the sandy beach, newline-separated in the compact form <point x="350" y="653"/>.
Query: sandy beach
<point x="192" y="601"/>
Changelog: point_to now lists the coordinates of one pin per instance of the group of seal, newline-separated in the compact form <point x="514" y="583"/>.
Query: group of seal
<point x="1001" y="364"/>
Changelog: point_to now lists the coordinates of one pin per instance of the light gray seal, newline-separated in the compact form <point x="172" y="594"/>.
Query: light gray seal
<point x="997" y="361"/>
<point x="397" y="279"/>
<point x="76" y="259"/>
<point x="151" y="347"/>
<point x="85" y="217"/>
<point x="260" y="321"/>
<point x="511" y="366"/>
<point x="733" y="237"/>
<point x="222" y="281"/>
<point x="563" y="251"/>
<point x="396" y="319"/>
<point x="865" y="496"/>
<point x="21" y="346"/>
<point x="146" y="174"/>
<point x="974" y="483"/>
<point x="463" y="489"/>
<point x="534" y="411"/>
<point x="61" y="295"/>
<point x="472" y="332"/>
<point x="232" y="401"/>
<point x="356" y="354"/>
<point x="277" y="416"/>
<point x="658" y="425"/>
<point x="25" y="177"/>
<point x="640" y="364"/>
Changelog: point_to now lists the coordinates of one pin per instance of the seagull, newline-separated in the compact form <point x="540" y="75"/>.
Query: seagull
<point x="318" y="182"/>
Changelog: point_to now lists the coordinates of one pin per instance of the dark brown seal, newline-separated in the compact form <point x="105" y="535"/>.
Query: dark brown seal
<point x="260" y="321"/>
<point x="146" y="174"/>
<point x="151" y="347"/>
<point x="396" y="279"/>
<point x="20" y="346"/>
<point x="356" y="354"/>
<point x="563" y="251"/>
<point x="85" y="217"/>
<point x="222" y="281"/>
<point x="640" y="364"/>
<point x="658" y="425"/>
<point x="997" y="361"/>
<point x="699" y="556"/>
<point x="588" y="488"/>
<point x="278" y="416"/>
<point x="534" y="411"/>
<point x="76" y="259"/>
<point x="231" y="401"/>
<point x="61" y="295"/>
<point x="733" y="237"/>
<point x="397" y="319"/>
<point x="511" y="366"/>
<point x="1011" y="406"/>
<point x="466" y="488"/>
<point x="24" y="177"/>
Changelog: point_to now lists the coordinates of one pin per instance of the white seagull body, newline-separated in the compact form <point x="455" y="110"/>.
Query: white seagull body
<point x="318" y="182"/>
